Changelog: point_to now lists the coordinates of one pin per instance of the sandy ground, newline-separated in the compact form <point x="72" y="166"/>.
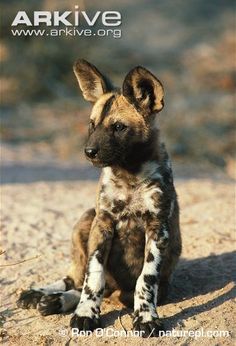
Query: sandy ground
<point x="37" y="218"/>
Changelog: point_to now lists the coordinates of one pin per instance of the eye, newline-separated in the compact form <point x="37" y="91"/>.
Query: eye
<point x="91" y="126"/>
<point x="118" y="127"/>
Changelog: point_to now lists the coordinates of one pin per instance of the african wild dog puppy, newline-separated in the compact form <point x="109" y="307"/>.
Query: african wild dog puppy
<point x="131" y="240"/>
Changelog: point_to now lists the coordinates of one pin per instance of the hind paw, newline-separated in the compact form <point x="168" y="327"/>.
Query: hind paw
<point x="50" y="304"/>
<point x="29" y="299"/>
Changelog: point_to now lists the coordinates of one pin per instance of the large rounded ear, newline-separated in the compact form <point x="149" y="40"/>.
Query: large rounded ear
<point x="92" y="83"/>
<point x="142" y="89"/>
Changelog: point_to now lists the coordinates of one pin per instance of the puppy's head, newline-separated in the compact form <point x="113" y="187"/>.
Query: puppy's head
<point x="121" y="121"/>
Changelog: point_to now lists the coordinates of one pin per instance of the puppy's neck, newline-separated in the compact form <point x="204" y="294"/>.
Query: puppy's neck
<point x="139" y="154"/>
<point x="141" y="165"/>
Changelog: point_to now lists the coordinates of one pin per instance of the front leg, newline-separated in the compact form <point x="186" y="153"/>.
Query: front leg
<point x="87" y="313"/>
<point x="145" y="315"/>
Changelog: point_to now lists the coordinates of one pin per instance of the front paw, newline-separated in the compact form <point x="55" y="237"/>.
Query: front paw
<point x="83" y="323"/>
<point x="148" y="329"/>
<point x="29" y="299"/>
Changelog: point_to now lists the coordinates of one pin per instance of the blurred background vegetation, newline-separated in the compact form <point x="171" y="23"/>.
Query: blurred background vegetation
<point x="190" y="45"/>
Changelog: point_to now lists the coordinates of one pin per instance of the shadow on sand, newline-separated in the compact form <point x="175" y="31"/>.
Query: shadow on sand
<point x="28" y="173"/>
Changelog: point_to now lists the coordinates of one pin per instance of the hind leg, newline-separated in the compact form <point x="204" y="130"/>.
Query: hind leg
<point x="60" y="302"/>
<point x="30" y="298"/>
<point x="63" y="295"/>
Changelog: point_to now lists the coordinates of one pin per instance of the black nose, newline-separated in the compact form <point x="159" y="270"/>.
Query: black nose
<point x="91" y="152"/>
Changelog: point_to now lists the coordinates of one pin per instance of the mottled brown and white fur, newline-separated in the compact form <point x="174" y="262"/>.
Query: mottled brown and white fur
<point x="131" y="240"/>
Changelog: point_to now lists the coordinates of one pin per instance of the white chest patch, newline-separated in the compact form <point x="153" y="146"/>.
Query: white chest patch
<point x="144" y="199"/>
<point x="140" y="198"/>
